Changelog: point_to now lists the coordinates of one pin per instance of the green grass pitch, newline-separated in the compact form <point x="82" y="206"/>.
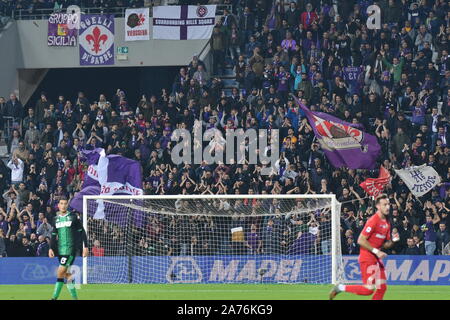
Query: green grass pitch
<point x="215" y="292"/>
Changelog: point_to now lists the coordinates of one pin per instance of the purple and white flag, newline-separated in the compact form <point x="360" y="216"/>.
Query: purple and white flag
<point x="343" y="143"/>
<point x="420" y="180"/>
<point x="108" y="175"/>
<point x="62" y="31"/>
<point x="183" y="22"/>
<point x="96" y="40"/>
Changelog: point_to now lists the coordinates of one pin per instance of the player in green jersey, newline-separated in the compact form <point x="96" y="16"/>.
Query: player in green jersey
<point x="68" y="237"/>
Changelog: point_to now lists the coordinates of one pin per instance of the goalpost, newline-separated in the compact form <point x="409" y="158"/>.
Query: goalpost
<point x="213" y="239"/>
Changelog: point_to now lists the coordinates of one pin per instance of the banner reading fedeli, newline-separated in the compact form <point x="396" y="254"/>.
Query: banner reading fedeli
<point x="96" y="40"/>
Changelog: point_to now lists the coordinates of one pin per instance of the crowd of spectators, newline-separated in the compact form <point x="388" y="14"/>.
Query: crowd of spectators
<point x="393" y="81"/>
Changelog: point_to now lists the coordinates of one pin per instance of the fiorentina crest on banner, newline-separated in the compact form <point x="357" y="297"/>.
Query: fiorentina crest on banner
<point x="337" y="135"/>
<point x="374" y="187"/>
<point x="96" y="37"/>
<point x="343" y="143"/>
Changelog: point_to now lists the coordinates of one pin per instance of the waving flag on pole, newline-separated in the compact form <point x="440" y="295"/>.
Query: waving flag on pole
<point x="374" y="187"/>
<point x="108" y="175"/>
<point x="344" y="144"/>
<point x="420" y="180"/>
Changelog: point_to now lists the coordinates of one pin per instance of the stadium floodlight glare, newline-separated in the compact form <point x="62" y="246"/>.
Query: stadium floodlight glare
<point x="213" y="239"/>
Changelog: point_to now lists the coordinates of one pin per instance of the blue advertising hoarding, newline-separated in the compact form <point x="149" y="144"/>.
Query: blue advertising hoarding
<point x="404" y="270"/>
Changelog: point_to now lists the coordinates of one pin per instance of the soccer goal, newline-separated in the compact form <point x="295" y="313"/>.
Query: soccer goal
<point x="213" y="239"/>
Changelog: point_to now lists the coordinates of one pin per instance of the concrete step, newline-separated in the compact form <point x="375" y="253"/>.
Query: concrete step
<point x="3" y="151"/>
<point x="230" y="83"/>
<point x="227" y="74"/>
<point x="231" y="75"/>
<point x="228" y="91"/>
<point x="228" y="71"/>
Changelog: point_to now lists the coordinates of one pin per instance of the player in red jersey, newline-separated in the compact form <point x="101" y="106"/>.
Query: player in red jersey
<point x="375" y="236"/>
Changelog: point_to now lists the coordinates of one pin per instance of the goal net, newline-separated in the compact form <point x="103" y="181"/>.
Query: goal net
<point x="213" y="239"/>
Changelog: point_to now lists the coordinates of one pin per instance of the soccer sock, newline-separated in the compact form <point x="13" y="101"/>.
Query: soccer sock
<point x="358" y="289"/>
<point x="58" y="285"/>
<point x="379" y="294"/>
<point x="72" y="290"/>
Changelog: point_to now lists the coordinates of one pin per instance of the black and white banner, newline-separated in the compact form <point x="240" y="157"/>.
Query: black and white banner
<point x="183" y="22"/>
<point x="420" y="180"/>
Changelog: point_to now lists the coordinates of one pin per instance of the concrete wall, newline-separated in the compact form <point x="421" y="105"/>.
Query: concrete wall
<point x="10" y="57"/>
<point x="29" y="80"/>
<point x="37" y="55"/>
<point x="25" y="56"/>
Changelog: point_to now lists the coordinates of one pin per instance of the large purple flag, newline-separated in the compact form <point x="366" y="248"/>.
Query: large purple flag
<point x="108" y="175"/>
<point x="343" y="143"/>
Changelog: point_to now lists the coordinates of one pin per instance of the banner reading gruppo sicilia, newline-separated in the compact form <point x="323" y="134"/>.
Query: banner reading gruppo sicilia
<point x="183" y="22"/>
<point x="62" y="31"/>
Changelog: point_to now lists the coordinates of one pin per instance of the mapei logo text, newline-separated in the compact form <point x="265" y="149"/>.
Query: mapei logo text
<point x="256" y="270"/>
<point x="34" y="271"/>
<point x="184" y="270"/>
<point x="404" y="271"/>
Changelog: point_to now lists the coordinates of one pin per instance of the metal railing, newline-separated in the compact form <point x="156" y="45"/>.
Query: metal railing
<point x="44" y="14"/>
<point x="3" y="21"/>
<point x="10" y="123"/>
<point x="118" y="12"/>
<point x="206" y="58"/>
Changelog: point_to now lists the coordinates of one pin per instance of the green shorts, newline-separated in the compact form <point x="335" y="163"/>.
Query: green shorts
<point x="66" y="261"/>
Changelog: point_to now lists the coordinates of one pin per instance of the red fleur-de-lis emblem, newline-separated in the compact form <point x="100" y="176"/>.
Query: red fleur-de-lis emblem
<point x="97" y="38"/>
<point x="141" y="18"/>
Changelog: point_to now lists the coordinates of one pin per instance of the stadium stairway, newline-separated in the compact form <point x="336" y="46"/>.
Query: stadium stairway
<point x="228" y="78"/>
<point x="3" y="148"/>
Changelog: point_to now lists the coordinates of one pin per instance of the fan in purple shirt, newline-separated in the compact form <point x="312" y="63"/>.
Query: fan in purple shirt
<point x="253" y="240"/>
